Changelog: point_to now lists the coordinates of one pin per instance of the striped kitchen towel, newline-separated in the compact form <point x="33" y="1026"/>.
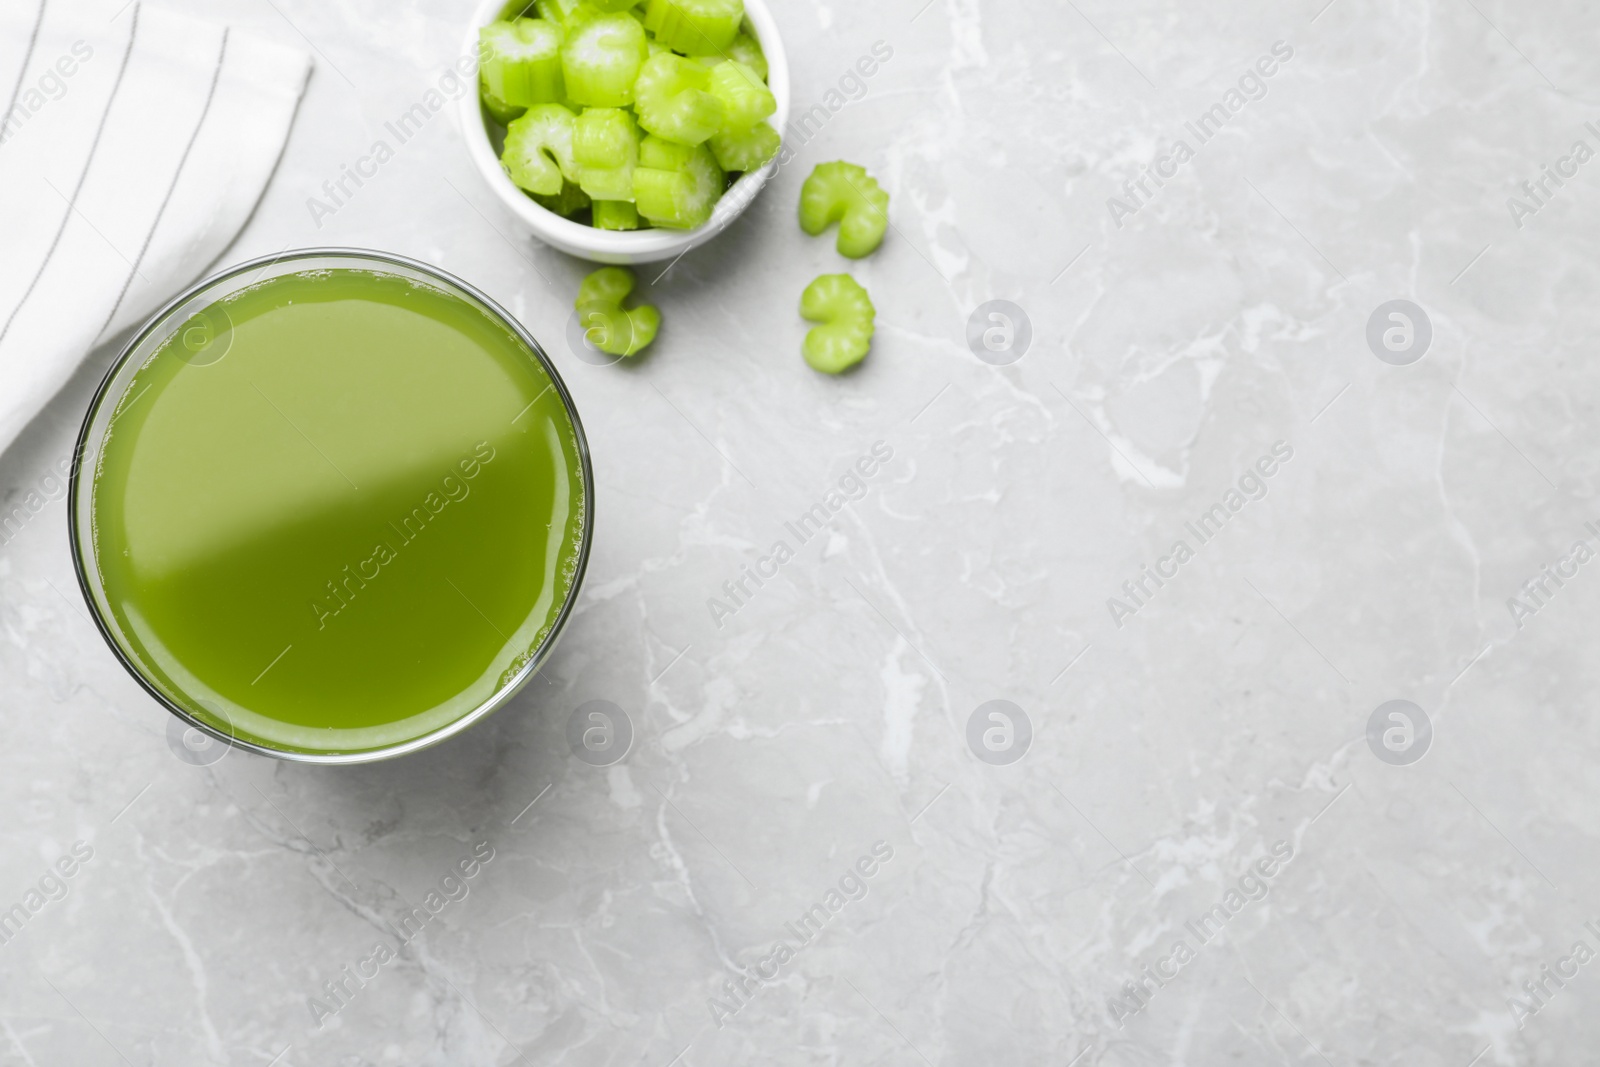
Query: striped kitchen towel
<point x="134" y="144"/>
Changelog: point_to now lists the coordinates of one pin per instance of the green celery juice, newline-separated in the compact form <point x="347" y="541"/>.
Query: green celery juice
<point x="354" y="527"/>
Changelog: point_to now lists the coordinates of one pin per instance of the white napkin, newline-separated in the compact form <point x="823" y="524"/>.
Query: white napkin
<point x="134" y="146"/>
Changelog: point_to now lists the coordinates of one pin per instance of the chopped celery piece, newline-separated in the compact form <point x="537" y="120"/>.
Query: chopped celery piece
<point x="659" y="154"/>
<point x="608" y="285"/>
<point x="605" y="149"/>
<point x="745" y="49"/>
<point x="612" y="6"/>
<point x="607" y="325"/>
<point x="569" y="14"/>
<point x="695" y="27"/>
<point x="844" y="309"/>
<point x="601" y="59"/>
<point x="498" y="109"/>
<point x="676" y="186"/>
<point x="520" y="62"/>
<point x="674" y="100"/>
<point x="846" y="194"/>
<point x="567" y="203"/>
<point x="616" y="214"/>
<point x="746" y="150"/>
<point x="538" y="151"/>
<point x="746" y="100"/>
<point x="618" y="332"/>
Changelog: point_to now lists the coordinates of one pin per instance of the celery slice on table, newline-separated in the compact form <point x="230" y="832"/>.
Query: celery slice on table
<point x="608" y="285"/>
<point x="609" y="326"/>
<point x="605" y="149"/>
<point x="538" y="151"/>
<point x="695" y="27"/>
<point x="674" y="100"/>
<point x="846" y="194"/>
<point x="601" y="59"/>
<point x="848" y="321"/>
<point x="747" y="50"/>
<point x="497" y="108"/>
<point x="616" y="215"/>
<point x="746" y="100"/>
<point x="520" y="62"/>
<point x="746" y="150"/>
<point x="676" y="186"/>
<point x="567" y="203"/>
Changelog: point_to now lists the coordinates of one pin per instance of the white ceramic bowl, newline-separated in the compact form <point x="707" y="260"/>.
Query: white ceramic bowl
<point x="614" y="246"/>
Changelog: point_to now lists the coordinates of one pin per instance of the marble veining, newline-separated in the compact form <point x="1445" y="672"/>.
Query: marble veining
<point x="1191" y="840"/>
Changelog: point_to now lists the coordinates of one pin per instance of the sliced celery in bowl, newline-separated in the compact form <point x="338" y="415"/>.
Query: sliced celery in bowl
<point x="676" y="204"/>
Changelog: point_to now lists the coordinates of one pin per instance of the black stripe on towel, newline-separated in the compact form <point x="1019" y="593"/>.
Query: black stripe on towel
<point x="27" y="57"/>
<point x="66" y="217"/>
<point x="216" y="76"/>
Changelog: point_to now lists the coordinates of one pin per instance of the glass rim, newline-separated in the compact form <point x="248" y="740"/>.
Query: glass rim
<point x="163" y="317"/>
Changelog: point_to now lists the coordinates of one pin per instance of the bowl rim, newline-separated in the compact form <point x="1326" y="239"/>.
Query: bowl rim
<point x="622" y="246"/>
<point x="76" y="485"/>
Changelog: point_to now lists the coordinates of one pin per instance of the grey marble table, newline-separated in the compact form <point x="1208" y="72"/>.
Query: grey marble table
<point x="1229" y="503"/>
